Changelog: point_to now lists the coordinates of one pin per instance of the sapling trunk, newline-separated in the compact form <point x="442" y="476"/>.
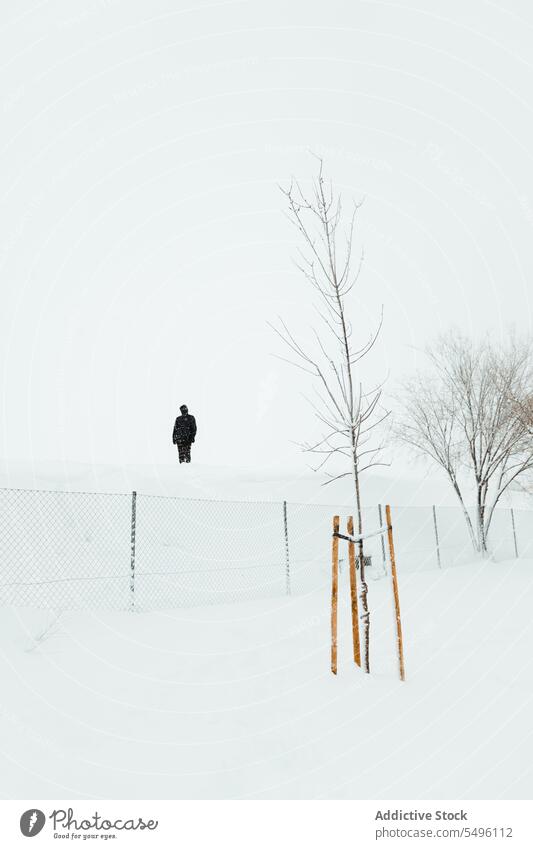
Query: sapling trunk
<point x="364" y="586"/>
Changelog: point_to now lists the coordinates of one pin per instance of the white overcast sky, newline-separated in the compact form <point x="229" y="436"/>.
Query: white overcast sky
<point x="143" y="246"/>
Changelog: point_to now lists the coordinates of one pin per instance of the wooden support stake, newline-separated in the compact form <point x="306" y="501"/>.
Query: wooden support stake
<point x="334" y="593"/>
<point x="353" y="593"/>
<point x="395" y="590"/>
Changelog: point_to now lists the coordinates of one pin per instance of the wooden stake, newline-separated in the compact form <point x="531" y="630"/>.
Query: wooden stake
<point x="353" y="593"/>
<point x="334" y="593"/>
<point x="395" y="590"/>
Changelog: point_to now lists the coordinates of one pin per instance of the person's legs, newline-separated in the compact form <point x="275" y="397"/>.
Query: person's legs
<point x="181" y="452"/>
<point x="187" y="453"/>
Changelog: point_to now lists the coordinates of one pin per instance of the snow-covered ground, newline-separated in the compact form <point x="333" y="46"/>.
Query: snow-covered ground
<point x="236" y="701"/>
<point x="400" y="485"/>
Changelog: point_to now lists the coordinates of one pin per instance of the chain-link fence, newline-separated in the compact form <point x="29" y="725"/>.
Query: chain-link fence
<point x="193" y="552"/>
<point x="67" y="550"/>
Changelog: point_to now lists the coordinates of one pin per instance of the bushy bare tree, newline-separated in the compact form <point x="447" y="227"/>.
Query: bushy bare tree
<point x="348" y="413"/>
<point x="524" y="410"/>
<point x="465" y="415"/>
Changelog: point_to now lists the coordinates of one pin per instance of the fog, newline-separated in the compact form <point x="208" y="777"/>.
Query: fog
<point x="143" y="241"/>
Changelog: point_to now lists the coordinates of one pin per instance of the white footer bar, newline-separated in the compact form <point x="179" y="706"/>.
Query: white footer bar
<point x="268" y="824"/>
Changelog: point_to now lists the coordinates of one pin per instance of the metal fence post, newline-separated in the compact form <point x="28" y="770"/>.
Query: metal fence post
<point x="287" y="561"/>
<point x="514" y="533"/>
<point x="383" y="555"/>
<point x="132" y="562"/>
<point x="436" y="536"/>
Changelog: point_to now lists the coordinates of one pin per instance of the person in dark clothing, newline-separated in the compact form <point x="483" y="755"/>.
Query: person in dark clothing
<point x="184" y="434"/>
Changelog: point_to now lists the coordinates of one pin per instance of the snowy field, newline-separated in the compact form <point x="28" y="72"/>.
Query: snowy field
<point x="237" y="701"/>
<point x="417" y="484"/>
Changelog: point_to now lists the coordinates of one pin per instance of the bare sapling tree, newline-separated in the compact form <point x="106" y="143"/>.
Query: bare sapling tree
<point x="348" y="414"/>
<point x="464" y="415"/>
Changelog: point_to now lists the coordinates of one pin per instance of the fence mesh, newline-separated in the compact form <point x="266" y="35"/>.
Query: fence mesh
<point x="193" y="552"/>
<point x="65" y="550"/>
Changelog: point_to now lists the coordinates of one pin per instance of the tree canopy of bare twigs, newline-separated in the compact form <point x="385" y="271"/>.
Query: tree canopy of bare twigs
<point x="348" y="412"/>
<point x="468" y="415"/>
<point x="524" y="410"/>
